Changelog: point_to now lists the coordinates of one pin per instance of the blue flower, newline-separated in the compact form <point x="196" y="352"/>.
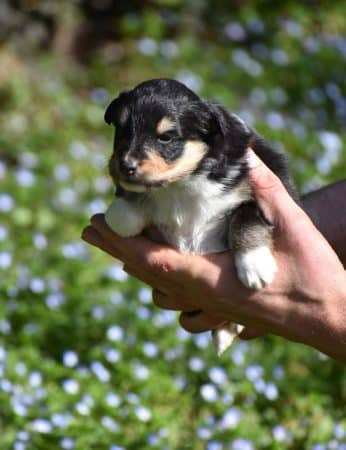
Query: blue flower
<point x="113" y="399"/>
<point x="271" y="391"/>
<point x="55" y="299"/>
<point x="70" y="386"/>
<point x="78" y="150"/>
<point x="141" y="372"/>
<point x="70" y="358"/>
<point x="204" y="433"/>
<point x="23" y="435"/>
<point x="143" y="413"/>
<point x="3" y="354"/>
<point x="110" y="424"/>
<point x="3" y="233"/>
<point x="74" y="250"/>
<point x="67" y="443"/>
<point x="25" y="177"/>
<point x="279" y="57"/>
<point x="231" y="418"/>
<point x="5" y="260"/>
<point x="150" y="349"/>
<point x="83" y="409"/>
<point x="190" y="79"/>
<point x="214" y="445"/>
<point x="144" y="295"/>
<point x="196" y="364"/>
<point x="147" y="46"/>
<point x="112" y="355"/>
<point x="42" y="426"/>
<point x="209" y="392"/>
<point x="235" y="31"/>
<point x="218" y="375"/>
<point x="6" y="203"/>
<point x="37" y="285"/>
<point x="169" y="49"/>
<point x="116" y="272"/>
<point x="242" y="444"/>
<point x="99" y="95"/>
<point x="18" y="407"/>
<point x="280" y="433"/>
<point x="115" y="333"/>
<point x="61" y="172"/>
<point x="202" y="340"/>
<point x="35" y="379"/>
<point x="254" y="372"/>
<point x="61" y="419"/>
<point x="100" y="371"/>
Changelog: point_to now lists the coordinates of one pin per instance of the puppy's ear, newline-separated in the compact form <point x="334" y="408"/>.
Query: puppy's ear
<point x="226" y="123"/>
<point x="117" y="111"/>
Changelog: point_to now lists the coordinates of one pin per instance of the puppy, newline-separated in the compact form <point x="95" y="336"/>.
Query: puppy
<point x="179" y="164"/>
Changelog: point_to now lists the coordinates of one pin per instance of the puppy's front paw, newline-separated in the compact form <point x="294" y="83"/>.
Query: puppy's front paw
<point x="125" y="219"/>
<point x="256" y="267"/>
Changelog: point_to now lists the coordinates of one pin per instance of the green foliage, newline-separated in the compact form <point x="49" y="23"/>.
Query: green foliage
<point x="86" y="361"/>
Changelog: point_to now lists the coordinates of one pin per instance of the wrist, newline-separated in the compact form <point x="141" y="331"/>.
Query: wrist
<point x="326" y="208"/>
<point x="331" y="339"/>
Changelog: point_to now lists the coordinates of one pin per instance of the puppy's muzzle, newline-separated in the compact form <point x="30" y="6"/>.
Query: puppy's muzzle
<point x="128" y="167"/>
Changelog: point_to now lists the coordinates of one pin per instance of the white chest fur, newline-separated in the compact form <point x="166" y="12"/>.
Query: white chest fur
<point x="192" y="214"/>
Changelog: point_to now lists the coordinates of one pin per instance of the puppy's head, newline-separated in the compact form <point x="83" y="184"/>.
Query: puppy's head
<point x="164" y="132"/>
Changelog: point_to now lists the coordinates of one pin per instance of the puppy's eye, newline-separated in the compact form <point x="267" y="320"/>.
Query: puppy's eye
<point x="165" y="138"/>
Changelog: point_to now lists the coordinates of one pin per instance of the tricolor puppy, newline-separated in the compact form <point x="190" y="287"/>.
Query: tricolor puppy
<point x="179" y="164"/>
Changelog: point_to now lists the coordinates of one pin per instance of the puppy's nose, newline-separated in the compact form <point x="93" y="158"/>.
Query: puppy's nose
<point x="128" y="166"/>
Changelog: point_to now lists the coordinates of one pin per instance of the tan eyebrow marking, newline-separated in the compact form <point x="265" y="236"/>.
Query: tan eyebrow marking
<point x="165" y="124"/>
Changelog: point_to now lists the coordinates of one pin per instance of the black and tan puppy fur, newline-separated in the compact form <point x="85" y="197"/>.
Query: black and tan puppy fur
<point x="179" y="164"/>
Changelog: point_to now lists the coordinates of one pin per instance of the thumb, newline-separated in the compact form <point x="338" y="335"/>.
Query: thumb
<point x="270" y="194"/>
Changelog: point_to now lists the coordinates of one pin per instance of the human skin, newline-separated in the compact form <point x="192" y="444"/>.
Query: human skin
<point x="305" y="303"/>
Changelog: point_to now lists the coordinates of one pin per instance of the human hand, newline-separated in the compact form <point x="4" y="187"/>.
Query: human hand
<point x="305" y="303"/>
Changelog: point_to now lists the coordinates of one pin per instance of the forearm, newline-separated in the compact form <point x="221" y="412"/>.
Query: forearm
<point x="327" y="209"/>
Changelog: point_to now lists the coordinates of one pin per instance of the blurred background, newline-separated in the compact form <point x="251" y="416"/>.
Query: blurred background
<point x="86" y="361"/>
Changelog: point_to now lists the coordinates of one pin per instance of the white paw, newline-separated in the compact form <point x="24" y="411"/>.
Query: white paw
<point x="124" y="218"/>
<point x="256" y="268"/>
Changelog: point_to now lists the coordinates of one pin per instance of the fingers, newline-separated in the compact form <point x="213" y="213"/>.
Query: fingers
<point x="162" y="300"/>
<point x="165" y="299"/>
<point x="93" y="237"/>
<point x="140" y="250"/>
<point x="199" y="322"/>
<point x="271" y="195"/>
<point x="90" y="235"/>
<point x="191" y="318"/>
<point x="194" y="320"/>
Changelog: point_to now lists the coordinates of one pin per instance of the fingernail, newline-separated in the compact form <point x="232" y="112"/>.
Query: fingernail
<point x="252" y="160"/>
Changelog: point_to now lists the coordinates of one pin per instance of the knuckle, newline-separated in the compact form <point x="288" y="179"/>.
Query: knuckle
<point x="96" y="219"/>
<point x="157" y="298"/>
<point x="267" y="181"/>
<point x="186" y="323"/>
<point x="158" y="261"/>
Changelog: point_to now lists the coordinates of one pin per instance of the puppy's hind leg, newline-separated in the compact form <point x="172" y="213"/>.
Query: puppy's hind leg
<point x="250" y="237"/>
